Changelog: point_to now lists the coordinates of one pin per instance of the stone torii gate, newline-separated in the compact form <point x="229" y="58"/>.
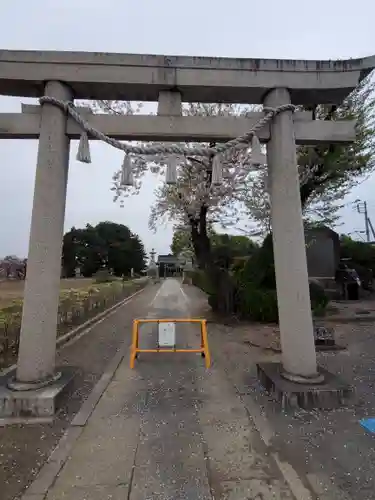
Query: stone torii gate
<point x="170" y="80"/>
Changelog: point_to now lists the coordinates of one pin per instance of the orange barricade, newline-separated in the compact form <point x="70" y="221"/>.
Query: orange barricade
<point x="204" y="350"/>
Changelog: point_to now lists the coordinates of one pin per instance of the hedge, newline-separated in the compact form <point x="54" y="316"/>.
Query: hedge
<point x="76" y="306"/>
<point x="247" y="299"/>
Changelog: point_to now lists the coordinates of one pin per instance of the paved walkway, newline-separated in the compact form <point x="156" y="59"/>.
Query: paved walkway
<point x="169" y="429"/>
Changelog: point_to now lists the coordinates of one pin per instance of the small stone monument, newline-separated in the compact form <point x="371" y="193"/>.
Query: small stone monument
<point x="324" y="336"/>
<point x="152" y="270"/>
<point x="325" y="340"/>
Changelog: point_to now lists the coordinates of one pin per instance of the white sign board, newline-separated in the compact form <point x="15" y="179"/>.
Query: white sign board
<point x="167" y="334"/>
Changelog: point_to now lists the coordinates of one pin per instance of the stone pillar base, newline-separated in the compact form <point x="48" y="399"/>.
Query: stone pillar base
<point x="329" y="394"/>
<point x="299" y="379"/>
<point x="16" y="385"/>
<point x="32" y="406"/>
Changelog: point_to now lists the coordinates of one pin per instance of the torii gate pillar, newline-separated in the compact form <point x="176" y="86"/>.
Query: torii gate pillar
<point x="37" y="350"/>
<point x="293" y="296"/>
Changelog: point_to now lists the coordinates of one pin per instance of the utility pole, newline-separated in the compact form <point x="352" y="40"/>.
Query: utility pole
<point x="371" y="227"/>
<point x="362" y="209"/>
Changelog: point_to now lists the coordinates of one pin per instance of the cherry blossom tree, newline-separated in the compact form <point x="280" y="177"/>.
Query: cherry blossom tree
<point x="194" y="203"/>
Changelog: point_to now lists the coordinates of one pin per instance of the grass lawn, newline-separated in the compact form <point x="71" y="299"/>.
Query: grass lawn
<point x="13" y="290"/>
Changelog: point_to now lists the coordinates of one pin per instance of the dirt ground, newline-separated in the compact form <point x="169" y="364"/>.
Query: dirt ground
<point x="11" y="290"/>
<point x="329" y="445"/>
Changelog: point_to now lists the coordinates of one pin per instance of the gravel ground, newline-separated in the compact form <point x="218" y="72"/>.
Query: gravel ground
<point x="23" y="450"/>
<point x="329" y="444"/>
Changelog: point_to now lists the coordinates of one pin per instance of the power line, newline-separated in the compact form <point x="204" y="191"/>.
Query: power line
<point x="358" y="233"/>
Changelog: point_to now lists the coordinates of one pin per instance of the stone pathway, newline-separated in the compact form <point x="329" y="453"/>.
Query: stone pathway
<point x="169" y="429"/>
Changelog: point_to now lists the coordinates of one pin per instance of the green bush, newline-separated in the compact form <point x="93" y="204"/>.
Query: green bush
<point x="257" y="304"/>
<point x="260" y="304"/>
<point x="103" y="276"/>
<point x="259" y="268"/>
<point x="358" y="251"/>
<point x="257" y="298"/>
<point x="213" y="301"/>
<point x="249" y="289"/>
<point x="190" y="275"/>
<point x="318" y="297"/>
<point x="201" y="280"/>
<point x="238" y="264"/>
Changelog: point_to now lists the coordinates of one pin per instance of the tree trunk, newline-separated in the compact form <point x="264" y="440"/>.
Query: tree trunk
<point x="200" y="239"/>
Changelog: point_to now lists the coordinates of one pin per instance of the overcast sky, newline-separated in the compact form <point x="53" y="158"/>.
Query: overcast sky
<point x="289" y="29"/>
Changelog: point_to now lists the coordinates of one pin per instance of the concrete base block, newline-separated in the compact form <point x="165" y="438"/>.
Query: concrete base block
<point x="332" y="393"/>
<point x="34" y="406"/>
<point x="330" y="347"/>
